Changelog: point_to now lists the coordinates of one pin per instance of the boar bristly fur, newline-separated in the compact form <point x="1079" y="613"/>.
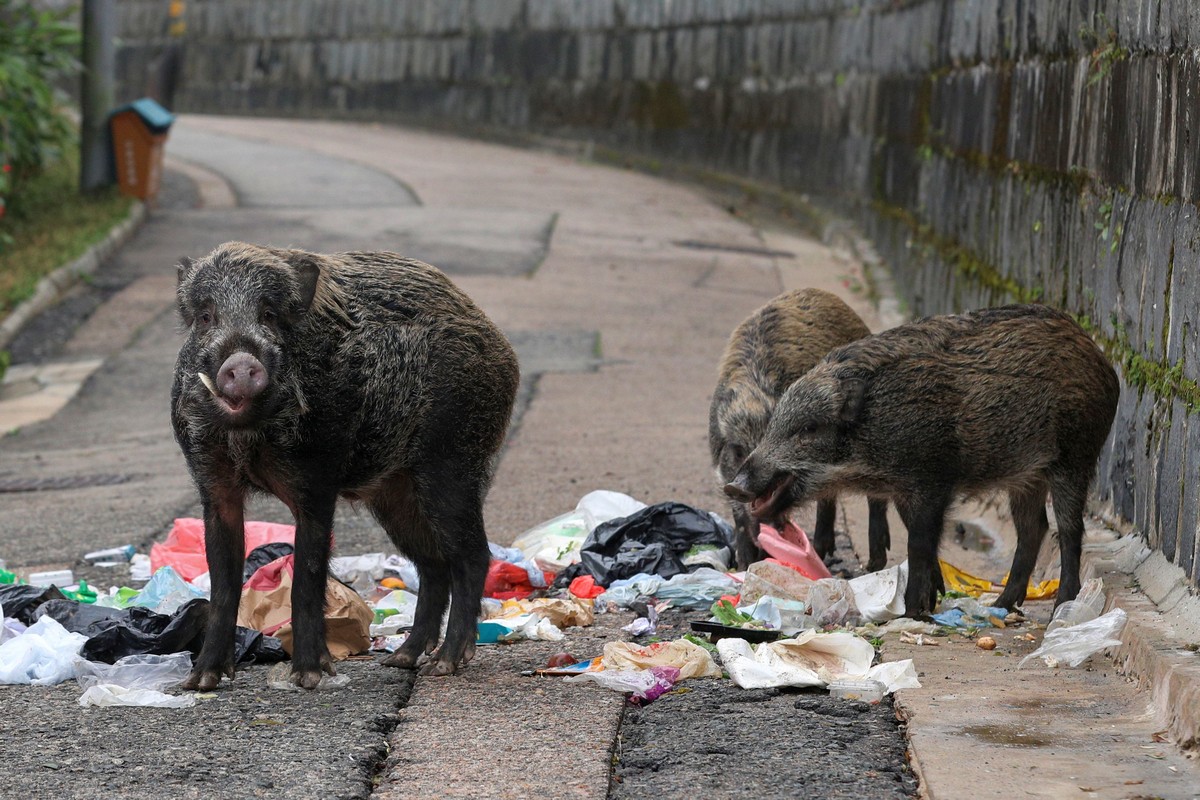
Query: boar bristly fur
<point x="766" y="353"/>
<point x="1016" y="399"/>
<point x="367" y="376"/>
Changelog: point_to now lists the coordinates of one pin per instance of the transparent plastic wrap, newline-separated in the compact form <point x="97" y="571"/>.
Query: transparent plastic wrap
<point x="832" y="603"/>
<point x="1078" y="629"/>
<point x="141" y="671"/>
<point x="772" y="579"/>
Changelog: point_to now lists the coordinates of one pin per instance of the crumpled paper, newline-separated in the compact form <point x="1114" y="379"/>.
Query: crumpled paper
<point x="811" y="659"/>
<point x="692" y="660"/>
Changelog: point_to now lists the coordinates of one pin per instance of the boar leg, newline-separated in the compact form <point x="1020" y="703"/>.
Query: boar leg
<point x="1028" y="507"/>
<point x="879" y="537"/>
<point x="310" y="655"/>
<point x="823" y="532"/>
<point x="224" y="543"/>
<point x="463" y="540"/>
<point x="924" y="516"/>
<point x="745" y="537"/>
<point x="1069" y="493"/>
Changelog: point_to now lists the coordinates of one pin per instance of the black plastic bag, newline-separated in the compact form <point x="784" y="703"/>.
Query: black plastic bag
<point x="21" y="602"/>
<point x="653" y="540"/>
<point x="264" y="554"/>
<point x="114" y="633"/>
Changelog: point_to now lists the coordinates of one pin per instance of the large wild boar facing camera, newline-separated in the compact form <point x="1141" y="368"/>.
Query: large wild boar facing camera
<point x="367" y="376"/>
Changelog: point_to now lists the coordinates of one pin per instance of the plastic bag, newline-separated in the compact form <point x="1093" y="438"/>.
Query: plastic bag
<point x="645" y="684"/>
<point x="699" y="589"/>
<point x="43" y="655"/>
<point x="692" y="660"/>
<point x="880" y="595"/>
<point x="653" y="540"/>
<point x="266" y="553"/>
<point x="602" y="506"/>
<point x="402" y="607"/>
<point x="967" y="612"/>
<point x="107" y="695"/>
<point x="832" y="603"/>
<point x="21" y="602"/>
<point x="514" y="556"/>
<point x="150" y="672"/>
<point x="184" y="547"/>
<point x="554" y="545"/>
<point x="624" y="593"/>
<point x="1075" y="632"/>
<point x="791" y="546"/>
<point x="166" y="592"/>
<point x="775" y="579"/>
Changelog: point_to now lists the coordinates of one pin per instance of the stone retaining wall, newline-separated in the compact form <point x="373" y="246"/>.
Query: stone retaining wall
<point x="994" y="150"/>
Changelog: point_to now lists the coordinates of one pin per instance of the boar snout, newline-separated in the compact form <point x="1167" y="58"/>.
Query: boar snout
<point x="241" y="378"/>
<point x="738" y="489"/>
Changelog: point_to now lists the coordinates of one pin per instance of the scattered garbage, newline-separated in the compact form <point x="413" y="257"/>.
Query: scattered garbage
<point x="967" y="612"/>
<point x="280" y="677"/>
<point x="266" y="606"/>
<point x="140" y="671"/>
<point x="811" y="659"/>
<point x="42" y="655"/>
<point x="56" y="577"/>
<point x="106" y="695"/>
<point x="866" y="690"/>
<point x="112" y="556"/>
<point x="166" y="592"/>
<point x="1078" y="629"/>
<point x="654" y="540"/>
<point x="21" y="601"/>
<point x="184" y="547"/>
<point x="791" y="546"/>
<point x="554" y="545"/>
<point x="645" y="685"/>
<point x="960" y="582"/>
<point x="692" y="660"/>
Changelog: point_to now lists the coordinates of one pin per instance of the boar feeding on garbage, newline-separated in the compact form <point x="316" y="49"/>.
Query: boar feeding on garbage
<point x="767" y="352"/>
<point x="368" y="376"/>
<point x="1018" y="399"/>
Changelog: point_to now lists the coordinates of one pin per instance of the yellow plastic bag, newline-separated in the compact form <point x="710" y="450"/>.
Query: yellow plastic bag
<point x="959" y="581"/>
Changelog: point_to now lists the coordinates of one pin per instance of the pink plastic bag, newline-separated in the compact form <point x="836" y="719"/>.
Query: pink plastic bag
<point x="791" y="546"/>
<point x="184" y="547"/>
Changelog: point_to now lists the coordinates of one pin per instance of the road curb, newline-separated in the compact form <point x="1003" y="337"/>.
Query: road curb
<point x="52" y="287"/>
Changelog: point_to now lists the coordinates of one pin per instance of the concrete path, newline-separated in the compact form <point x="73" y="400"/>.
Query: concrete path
<point x="619" y="327"/>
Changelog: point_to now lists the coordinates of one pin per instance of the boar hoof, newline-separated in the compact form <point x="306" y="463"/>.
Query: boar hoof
<point x="401" y="660"/>
<point x="876" y="564"/>
<point x="307" y="679"/>
<point x="205" y="680"/>
<point x="438" y="666"/>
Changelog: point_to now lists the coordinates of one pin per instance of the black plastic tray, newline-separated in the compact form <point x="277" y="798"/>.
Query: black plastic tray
<point x="716" y="630"/>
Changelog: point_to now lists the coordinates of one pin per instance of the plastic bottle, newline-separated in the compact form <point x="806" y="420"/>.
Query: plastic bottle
<point x="123" y="553"/>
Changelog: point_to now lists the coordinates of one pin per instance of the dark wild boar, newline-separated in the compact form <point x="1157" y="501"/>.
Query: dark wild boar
<point x="1015" y="399"/>
<point x="363" y="375"/>
<point x="767" y="352"/>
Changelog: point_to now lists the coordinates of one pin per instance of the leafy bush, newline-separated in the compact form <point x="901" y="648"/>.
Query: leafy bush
<point x="37" y="48"/>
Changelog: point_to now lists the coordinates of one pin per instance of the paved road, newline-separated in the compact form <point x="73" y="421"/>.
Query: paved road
<point x="619" y="328"/>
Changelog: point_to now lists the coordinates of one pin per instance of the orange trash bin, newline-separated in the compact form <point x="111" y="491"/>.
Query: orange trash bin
<point x="139" y="134"/>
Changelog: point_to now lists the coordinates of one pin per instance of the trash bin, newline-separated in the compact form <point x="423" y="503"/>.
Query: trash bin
<point x="139" y="133"/>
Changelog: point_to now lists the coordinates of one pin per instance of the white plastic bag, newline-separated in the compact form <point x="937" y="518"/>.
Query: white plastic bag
<point x="810" y="659"/>
<point x="602" y="506"/>
<point x="43" y="655"/>
<point x="554" y="545"/>
<point x="880" y="595"/>
<point x="645" y="684"/>
<point x="1071" y="645"/>
<point x="105" y="695"/>
<point x="1086" y="606"/>
<point x="140" y="671"/>
<point x="405" y="603"/>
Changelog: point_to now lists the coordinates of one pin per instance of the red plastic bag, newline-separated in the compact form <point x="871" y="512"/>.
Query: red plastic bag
<point x="184" y="547"/>
<point x="791" y="546"/>
<point x="507" y="581"/>
<point x="585" y="586"/>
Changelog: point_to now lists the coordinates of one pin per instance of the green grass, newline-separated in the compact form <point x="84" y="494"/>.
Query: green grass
<point x="48" y="224"/>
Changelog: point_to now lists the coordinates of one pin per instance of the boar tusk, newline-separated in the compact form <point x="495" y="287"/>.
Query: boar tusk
<point x="208" y="384"/>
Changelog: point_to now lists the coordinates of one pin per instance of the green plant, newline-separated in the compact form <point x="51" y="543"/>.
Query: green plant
<point x="37" y="47"/>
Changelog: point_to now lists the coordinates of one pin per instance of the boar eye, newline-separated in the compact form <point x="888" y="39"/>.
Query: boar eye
<point x="204" y="319"/>
<point x="268" y="316"/>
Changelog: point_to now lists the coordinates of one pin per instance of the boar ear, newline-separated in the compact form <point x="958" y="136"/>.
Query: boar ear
<point x="184" y="269"/>
<point x="853" y="392"/>
<point x="308" y="272"/>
